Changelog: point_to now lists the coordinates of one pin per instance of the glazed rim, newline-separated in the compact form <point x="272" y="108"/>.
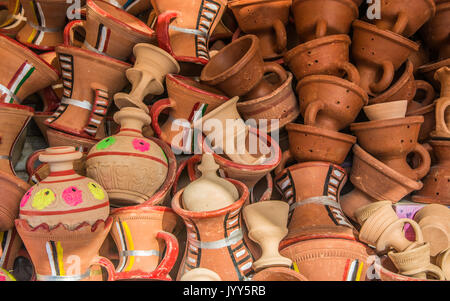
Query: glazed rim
<point x="316" y="43"/>
<point x="190" y="84"/>
<point x="385" y="123"/>
<point x="231" y="69"/>
<point x="237" y="205"/>
<point x="434" y="66"/>
<point x="404" y="78"/>
<point x="303" y="128"/>
<point x="348" y="2"/>
<point x="49" y="70"/>
<point x="337" y="81"/>
<point x="107" y="10"/>
<point x="387" y="34"/>
<point x="235" y="3"/>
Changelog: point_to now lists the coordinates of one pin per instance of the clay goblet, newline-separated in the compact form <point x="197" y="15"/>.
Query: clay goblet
<point x="386" y="110"/>
<point x="266" y="222"/>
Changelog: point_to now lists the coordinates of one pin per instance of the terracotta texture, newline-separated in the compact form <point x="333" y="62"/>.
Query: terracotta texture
<point x="278" y="274"/>
<point x="317" y="18"/>
<point x="429" y="120"/>
<point x="132" y="7"/>
<point x="442" y="114"/>
<point x="13" y="189"/>
<point x="442" y="261"/>
<point x="378" y="54"/>
<point x="436" y="31"/>
<point x="12" y="19"/>
<point x="429" y="70"/>
<point x="57" y="138"/>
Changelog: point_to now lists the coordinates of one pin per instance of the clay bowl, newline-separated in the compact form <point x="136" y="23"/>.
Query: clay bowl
<point x="278" y="274"/>
<point x="386" y="110"/>
<point x="429" y="122"/>
<point x="308" y="143"/>
<point x="13" y="190"/>
<point x="430" y="69"/>
<point x="330" y="102"/>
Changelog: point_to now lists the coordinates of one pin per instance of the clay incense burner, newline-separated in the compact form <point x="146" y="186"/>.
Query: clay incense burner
<point x="265" y="19"/>
<point x="12" y="19"/>
<point x="13" y="189"/>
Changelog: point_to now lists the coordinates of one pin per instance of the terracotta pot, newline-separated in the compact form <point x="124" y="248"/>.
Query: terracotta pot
<point x="13" y="188"/>
<point x="200" y="274"/>
<point x="386" y="110"/>
<point x="188" y="101"/>
<point x="429" y="70"/>
<point x="134" y="7"/>
<point x="147" y="75"/>
<point x="10" y="248"/>
<point x="90" y="80"/>
<point x="57" y="138"/>
<point x="405" y="88"/>
<point x="184" y="29"/>
<point x="64" y="197"/>
<point x="40" y="118"/>
<point x="13" y="19"/>
<point x="443" y="261"/>
<point x="420" y="57"/>
<point x="429" y="123"/>
<point x="13" y="120"/>
<point x="129" y="166"/>
<point x="374" y="181"/>
<point x="330" y="102"/>
<point x="436" y="31"/>
<point x="403" y="133"/>
<point x="436" y="187"/>
<point x="23" y="72"/>
<point x="378" y="54"/>
<point x="109" y="30"/>
<point x="230" y="69"/>
<point x="442" y="114"/>
<point x="143" y="236"/>
<point x="278" y="274"/>
<point x="266" y="20"/>
<point x="315" y="19"/>
<point x="60" y="254"/>
<point x="206" y="246"/>
<point x="308" y="143"/>
<point x="279" y="107"/>
<point x="405" y="17"/>
<point x="327" y="55"/>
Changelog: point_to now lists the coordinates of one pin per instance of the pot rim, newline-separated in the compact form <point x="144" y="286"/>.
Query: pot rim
<point x="181" y="81"/>
<point x="303" y="128"/>
<point x="434" y="65"/>
<point x="236" y="3"/>
<point x="140" y="209"/>
<point x="17" y="107"/>
<point x="422" y="110"/>
<point x="385" y="123"/>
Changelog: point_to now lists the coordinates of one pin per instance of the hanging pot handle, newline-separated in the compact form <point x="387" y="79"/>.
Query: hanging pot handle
<point x="69" y="31"/>
<point x="425" y="161"/>
<point x="351" y="71"/>
<point x="32" y="160"/>
<point x="281" y="35"/>
<point x="107" y="264"/>
<point x="386" y="79"/>
<point x="312" y="110"/>
<point x="430" y="94"/>
<point x="321" y="28"/>
<point x="156" y="110"/>
<point x="272" y="67"/>
<point x="165" y="266"/>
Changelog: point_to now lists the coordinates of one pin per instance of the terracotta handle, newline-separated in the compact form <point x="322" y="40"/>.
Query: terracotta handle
<point x="107" y="264"/>
<point x="68" y="31"/>
<point x="386" y="79"/>
<point x="418" y="236"/>
<point x="430" y="94"/>
<point x="441" y="126"/>
<point x="425" y="161"/>
<point x="351" y="71"/>
<point x="312" y="110"/>
<point x="31" y="160"/>
<point x="162" y="30"/>
<point x="400" y="24"/>
<point x="165" y="266"/>
<point x="156" y="110"/>
<point x="271" y="67"/>
<point x="321" y="28"/>
<point x="281" y="35"/>
<point x="285" y="158"/>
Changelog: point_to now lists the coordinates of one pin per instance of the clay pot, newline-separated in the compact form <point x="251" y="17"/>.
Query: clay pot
<point x="277" y="108"/>
<point x="330" y="102"/>
<point x="238" y="69"/>
<point x="90" y="80"/>
<point x="429" y="123"/>
<point x="405" y="17"/>
<point x="13" y="120"/>
<point x="188" y="101"/>
<point x="135" y="7"/>
<point x="278" y="274"/>
<point x="129" y="166"/>
<point x="436" y="31"/>
<point x="200" y="274"/>
<point x="442" y="114"/>
<point x="143" y="236"/>
<point x="266" y="20"/>
<point x="386" y="110"/>
<point x="436" y="187"/>
<point x="443" y="262"/>
<point x="378" y="54"/>
<point x="53" y="250"/>
<point x="403" y="133"/>
<point x="10" y="248"/>
<point x="206" y="246"/>
<point x="147" y="75"/>
<point x="13" y="189"/>
<point x="109" y="30"/>
<point x="57" y="138"/>
<point x="327" y="55"/>
<point x="420" y="57"/>
<point x="429" y="70"/>
<point x="308" y="143"/>
<point x="363" y="213"/>
<point x="23" y="72"/>
<point x="64" y="197"/>
<point x="317" y="18"/>
<point x="374" y="181"/>
<point x="45" y="23"/>
<point x="12" y="19"/>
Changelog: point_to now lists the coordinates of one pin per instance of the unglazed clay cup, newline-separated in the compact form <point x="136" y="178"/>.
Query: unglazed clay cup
<point x="386" y="110"/>
<point x="443" y="261"/>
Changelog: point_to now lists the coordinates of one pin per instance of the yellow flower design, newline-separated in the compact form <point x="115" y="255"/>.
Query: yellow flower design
<point x="96" y="191"/>
<point x="42" y="199"/>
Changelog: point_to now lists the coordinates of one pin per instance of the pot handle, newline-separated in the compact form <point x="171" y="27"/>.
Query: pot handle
<point x="386" y="79"/>
<point x="271" y="67"/>
<point x="165" y="266"/>
<point x="351" y="71"/>
<point x="425" y="159"/>
<point x="312" y="110"/>
<point x="162" y="30"/>
<point x="429" y="91"/>
<point x="156" y="110"/>
<point x="441" y="126"/>
<point x="32" y="160"/>
<point x="321" y="28"/>
<point x="281" y="35"/>
<point x="435" y="270"/>
<point x="68" y="31"/>
<point x="107" y="264"/>
<point x="285" y="158"/>
<point x="400" y="24"/>
<point x="98" y="111"/>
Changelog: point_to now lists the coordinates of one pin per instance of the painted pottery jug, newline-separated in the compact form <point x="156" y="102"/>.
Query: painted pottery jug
<point x="403" y="133"/>
<point x="386" y="110"/>
<point x="44" y="29"/>
<point x="129" y="166"/>
<point x="330" y="102"/>
<point x="134" y="7"/>
<point x="436" y="31"/>
<point x="64" y="197"/>
<point x="13" y="188"/>
<point x="265" y="19"/>
<point x="141" y="234"/>
<point x="110" y="30"/>
<point x="278" y="274"/>
<point x="317" y="18"/>
<point x="147" y="75"/>
<point x="215" y="239"/>
<point x="327" y="55"/>
<point x="90" y="80"/>
<point x="13" y="19"/>
<point x="378" y="54"/>
<point x="200" y="274"/>
<point x="23" y="72"/>
<point x="230" y="69"/>
<point x="442" y="114"/>
<point x="188" y="101"/>
<point x="436" y="188"/>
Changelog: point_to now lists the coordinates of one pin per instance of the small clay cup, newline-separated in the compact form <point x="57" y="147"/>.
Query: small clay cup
<point x="386" y="110"/>
<point x="363" y="213"/>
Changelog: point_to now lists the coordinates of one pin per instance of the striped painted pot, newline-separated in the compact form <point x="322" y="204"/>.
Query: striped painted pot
<point x="13" y="19"/>
<point x="10" y="244"/>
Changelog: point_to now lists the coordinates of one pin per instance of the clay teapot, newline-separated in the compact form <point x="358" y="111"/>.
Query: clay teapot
<point x="147" y="75"/>
<point x="378" y="54"/>
<point x="238" y="70"/>
<point x="12" y="19"/>
<point x="13" y="188"/>
<point x="386" y="110"/>
<point x="265" y="19"/>
<point x="442" y="114"/>
<point x="317" y="18"/>
<point x="109" y="30"/>
<point x="129" y="166"/>
<point x="403" y="133"/>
